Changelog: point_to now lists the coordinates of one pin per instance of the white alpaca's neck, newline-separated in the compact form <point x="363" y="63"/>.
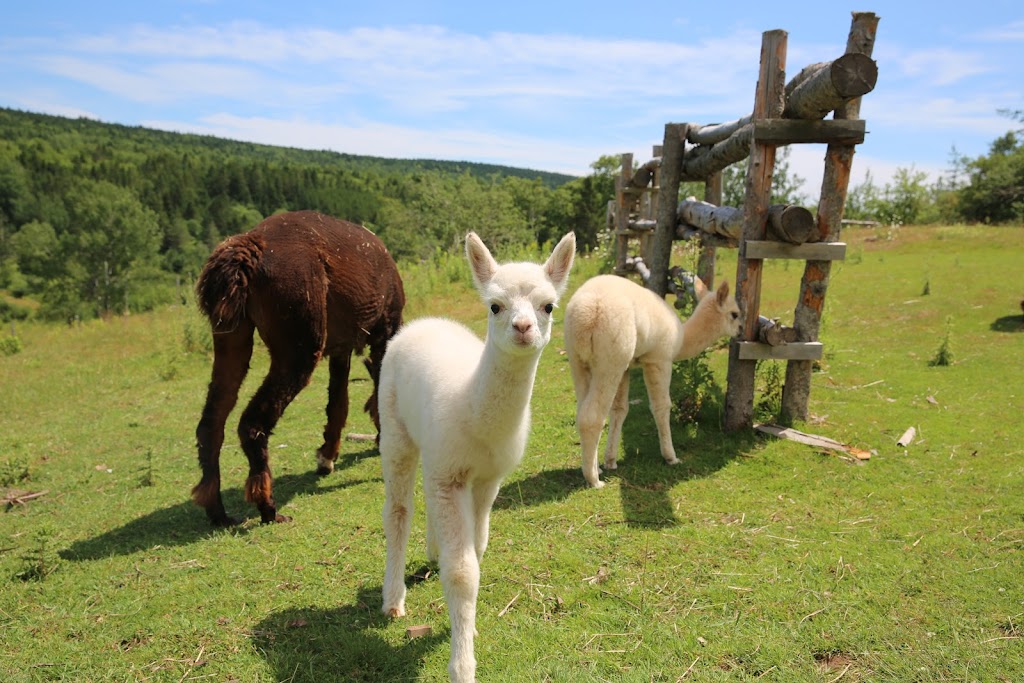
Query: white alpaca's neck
<point x="699" y="331"/>
<point x="502" y="387"/>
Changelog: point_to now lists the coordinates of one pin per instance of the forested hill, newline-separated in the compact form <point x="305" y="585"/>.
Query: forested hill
<point x="100" y="218"/>
<point x="18" y="125"/>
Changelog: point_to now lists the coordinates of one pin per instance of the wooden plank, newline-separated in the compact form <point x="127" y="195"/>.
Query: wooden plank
<point x="812" y="440"/>
<point x="749" y="350"/>
<point x="813" y="251"/>
<point x="787" y="131"/>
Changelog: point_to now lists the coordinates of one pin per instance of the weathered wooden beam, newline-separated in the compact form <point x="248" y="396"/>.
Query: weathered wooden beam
<point x="706" y="257"/>
<point x="786" y="222"/>
<point x="773" y="333"/>
<point x="715" y="132"/>
<point x="821" y="88"/>
<point x="704" y="160"/>
<point x="813" y="251"/>
<point x="673" y="149"/>
<point x="752" y="350"/>
<point x="834" y="185"/>
<point x="768" y="102"/>
<point x="707" y="239"/>
<point x="785" y="132"/>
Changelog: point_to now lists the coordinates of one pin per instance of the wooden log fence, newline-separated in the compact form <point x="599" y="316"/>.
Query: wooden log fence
<point x="647" y="207"/>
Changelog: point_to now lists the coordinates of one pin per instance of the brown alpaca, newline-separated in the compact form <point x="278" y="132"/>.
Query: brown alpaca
<point x="612" y="324"/>
<point x="311" y="285"/>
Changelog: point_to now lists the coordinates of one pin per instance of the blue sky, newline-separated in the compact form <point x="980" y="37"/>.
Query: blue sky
<point x="543" y="85"/>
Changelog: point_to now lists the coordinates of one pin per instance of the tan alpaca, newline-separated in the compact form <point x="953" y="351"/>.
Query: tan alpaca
<point x="612" y="324"/>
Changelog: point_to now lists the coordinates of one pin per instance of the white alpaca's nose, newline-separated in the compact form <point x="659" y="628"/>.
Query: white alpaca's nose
<point x="522" y="325"/>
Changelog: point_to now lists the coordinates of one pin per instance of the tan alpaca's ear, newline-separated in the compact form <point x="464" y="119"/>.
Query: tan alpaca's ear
<point x="722" y="295"/>
<point x="699" y="288"/>
<point x="481" y="262"/>
<point x="559" y="264"/>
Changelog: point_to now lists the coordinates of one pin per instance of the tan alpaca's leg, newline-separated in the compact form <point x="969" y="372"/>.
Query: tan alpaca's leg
<point x="452" y="507"/>
<point x="658" y="377"/>
<point x="616" y="418"/>
<point x="398" y="461"/>
<point x="590" y="413"/>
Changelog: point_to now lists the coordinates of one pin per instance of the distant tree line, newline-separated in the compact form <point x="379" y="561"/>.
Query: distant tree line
<point x="101" y="219"/>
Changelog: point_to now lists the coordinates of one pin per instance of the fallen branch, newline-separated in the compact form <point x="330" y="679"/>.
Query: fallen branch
<point x="812" y="440"/>
<point x="907" y="438"/>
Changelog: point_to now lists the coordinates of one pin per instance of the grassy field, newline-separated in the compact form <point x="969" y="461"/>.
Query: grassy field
<point x="753" y="560"/>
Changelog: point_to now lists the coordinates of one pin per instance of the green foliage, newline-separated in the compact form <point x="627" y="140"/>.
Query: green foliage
<point x="944" y="355"/>
<point x="9" y="345"/>
<point x="768" y="381"/>
<point x="40" y="558"/>
<point x="13" y="471"/>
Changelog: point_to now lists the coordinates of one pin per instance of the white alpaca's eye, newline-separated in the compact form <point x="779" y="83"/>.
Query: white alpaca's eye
<point x="495" y="309"/>
<point x="548" y="308"/>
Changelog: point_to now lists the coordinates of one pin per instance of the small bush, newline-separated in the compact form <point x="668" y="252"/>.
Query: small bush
<point x="769" y="381"/>
<point x="944" y="355"/>
<point x="41" y="558"/>
<point x="10" y="345"/>
<point x="13" y="471"/>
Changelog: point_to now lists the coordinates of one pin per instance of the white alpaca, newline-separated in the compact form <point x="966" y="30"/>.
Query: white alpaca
<point x="463" y="407"/>
<point x="612" y="324"/>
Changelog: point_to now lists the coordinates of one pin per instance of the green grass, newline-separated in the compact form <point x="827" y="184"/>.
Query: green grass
<point x="752" y="560"/>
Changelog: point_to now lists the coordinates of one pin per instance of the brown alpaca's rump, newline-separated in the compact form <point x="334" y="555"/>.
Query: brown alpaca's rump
<point x="311" y="286"/>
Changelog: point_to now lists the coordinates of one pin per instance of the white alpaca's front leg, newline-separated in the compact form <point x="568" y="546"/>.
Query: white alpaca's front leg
<point x="460" y="575"/>
<point x="483" y="500"/>
<point x="399" y="480"/>
<point x="657" y="377"/>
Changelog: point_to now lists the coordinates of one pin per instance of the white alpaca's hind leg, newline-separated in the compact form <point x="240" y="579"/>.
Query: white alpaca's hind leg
<point x="616" y="418"/>
<point x="657" y="377"/>
<point x="460" y="573"/>
<point x="399" y="463"/>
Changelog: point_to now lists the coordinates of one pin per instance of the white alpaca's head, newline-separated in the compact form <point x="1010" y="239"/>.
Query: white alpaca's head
<point x="520" y="297"/>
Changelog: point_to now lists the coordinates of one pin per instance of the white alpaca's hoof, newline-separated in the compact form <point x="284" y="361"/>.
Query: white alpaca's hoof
<point x="611" y="465"/>
<point x="394" y="612"/>
<point x="673" y="461"/>
<point x="597" y="484"/>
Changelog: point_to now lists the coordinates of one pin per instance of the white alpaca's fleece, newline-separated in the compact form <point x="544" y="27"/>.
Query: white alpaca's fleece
<point x="462" y="406"/>
<point x="612" y="324"/>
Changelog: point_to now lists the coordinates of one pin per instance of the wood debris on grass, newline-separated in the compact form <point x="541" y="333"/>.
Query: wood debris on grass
<point x="907" y="438"/>
<point x="813" y="440"/>
<point x="14" y="497"/>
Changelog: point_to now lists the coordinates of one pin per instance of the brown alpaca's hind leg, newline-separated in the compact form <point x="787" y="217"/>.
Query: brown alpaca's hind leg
<point x="232" y="352"/>
<point x="287" y="377"/>
<point x="372" y="364"/>
<point x="337" y="412"/>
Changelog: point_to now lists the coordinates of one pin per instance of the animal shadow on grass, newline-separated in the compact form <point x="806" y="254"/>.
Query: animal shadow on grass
<point x="1008" y="323"/>
<point x="340" y="645"/>
<point x="185" y="523"/>
<point x="644" y="478"/>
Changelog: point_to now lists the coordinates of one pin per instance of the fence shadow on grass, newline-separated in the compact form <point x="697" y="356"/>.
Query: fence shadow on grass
<point x="185" y="523"/>
<point x="339" y="644"/>
<point x="1008" y="323"/>
<point x="643" y="477"/>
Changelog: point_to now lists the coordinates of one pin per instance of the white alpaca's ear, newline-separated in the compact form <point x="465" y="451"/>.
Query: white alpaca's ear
<point x="559" y="264"/>
<point x="722" y="295"/>
<point x="481" y="262"/>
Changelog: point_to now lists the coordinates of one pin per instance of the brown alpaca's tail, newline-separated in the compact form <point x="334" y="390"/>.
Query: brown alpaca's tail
<point x="223" y="286"/>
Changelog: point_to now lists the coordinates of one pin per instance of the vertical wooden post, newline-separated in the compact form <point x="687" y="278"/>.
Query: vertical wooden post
<point x="668" y="200"/>
<point x="625" y="203"/>
<point x="768" y="103"/>
<point x="706" y="258"/>
<point x="814" y="284"/>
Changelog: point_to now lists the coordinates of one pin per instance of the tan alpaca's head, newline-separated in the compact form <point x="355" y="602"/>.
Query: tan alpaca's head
<point x="723" y="309"/>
